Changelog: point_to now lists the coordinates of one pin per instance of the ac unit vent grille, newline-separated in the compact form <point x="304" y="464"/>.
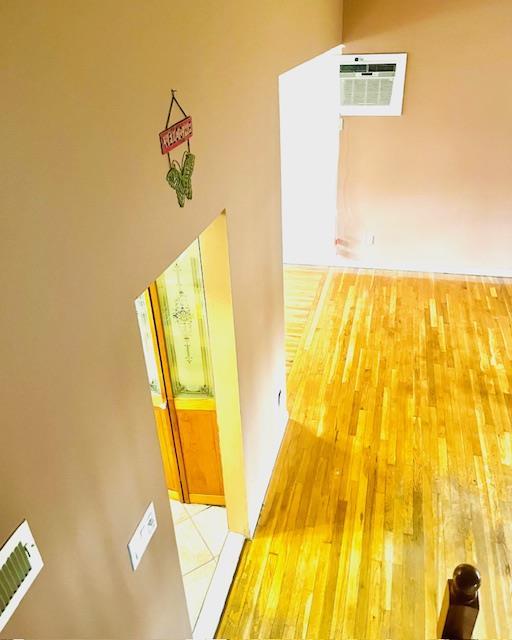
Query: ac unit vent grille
<point x="372" y="84"/>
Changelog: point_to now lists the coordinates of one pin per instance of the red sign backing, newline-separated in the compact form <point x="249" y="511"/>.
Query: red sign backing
<point x="176" y="135"/>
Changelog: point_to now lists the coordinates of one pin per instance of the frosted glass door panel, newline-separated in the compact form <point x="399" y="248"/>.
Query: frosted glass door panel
<point x="142" y="307"/>
<point x="183" y="308"/>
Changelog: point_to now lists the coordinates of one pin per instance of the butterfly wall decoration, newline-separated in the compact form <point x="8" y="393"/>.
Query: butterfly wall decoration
<point x="179" y="176"/>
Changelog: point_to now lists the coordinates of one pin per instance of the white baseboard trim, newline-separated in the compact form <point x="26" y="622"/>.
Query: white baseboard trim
<point x="213" y="605"/>
<point x="272" y="458"/>
<point x="411" y="267"/>
<point x="284" y="417"/>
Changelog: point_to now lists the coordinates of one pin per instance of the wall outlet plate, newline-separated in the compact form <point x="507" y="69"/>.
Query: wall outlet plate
<point x="143" y="534"/>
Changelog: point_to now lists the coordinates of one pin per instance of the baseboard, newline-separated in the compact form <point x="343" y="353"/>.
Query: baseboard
<point x="283" y="420"/>
<point x="213" y="605"/>
<point x="255" y="516"/>
<point x="410" y="267"/>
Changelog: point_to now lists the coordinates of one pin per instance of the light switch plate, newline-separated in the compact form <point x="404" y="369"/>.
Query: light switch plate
<point x="143" y="534"/>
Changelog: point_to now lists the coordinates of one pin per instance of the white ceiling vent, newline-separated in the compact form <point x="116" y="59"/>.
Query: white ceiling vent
<point x="372" y="84"/>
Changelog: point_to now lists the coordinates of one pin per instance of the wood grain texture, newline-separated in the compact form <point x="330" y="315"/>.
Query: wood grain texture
<point x="396" y="464"/>
<point x="163" y="427"/>
<point x="199" y="438"/>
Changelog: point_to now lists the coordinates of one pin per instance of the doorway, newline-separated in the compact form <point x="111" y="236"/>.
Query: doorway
<point x="173" y="322"/>
<point x="186" y="325"/>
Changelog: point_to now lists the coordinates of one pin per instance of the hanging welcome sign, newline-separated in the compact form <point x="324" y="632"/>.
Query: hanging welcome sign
<point x="179" y="176"/>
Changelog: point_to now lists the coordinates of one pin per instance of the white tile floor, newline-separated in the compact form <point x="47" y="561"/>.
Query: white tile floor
<point x="201" y="532"/>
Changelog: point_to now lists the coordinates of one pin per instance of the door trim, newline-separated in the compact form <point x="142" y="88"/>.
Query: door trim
<point x="167" y="389"/>
<point x="195" y="404"/>
<point x="202" y="498"/>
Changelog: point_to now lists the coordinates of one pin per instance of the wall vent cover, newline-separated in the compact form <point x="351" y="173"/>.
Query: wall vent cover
<point x="372" y="84"/>
<point x="20" y="563"/>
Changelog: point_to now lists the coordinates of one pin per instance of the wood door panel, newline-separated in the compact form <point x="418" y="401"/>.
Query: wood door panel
<point x="200" y="443"/>
<point x="167" y="450"/>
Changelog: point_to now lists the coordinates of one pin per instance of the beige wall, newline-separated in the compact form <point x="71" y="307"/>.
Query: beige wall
<point x="87" y="221"/>
<point x="217" y="288"/>
<point x="434" y="185"/>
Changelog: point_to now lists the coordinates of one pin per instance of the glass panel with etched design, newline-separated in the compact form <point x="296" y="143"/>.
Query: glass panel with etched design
<point x="143" y="308"/>
<point x="183" y="307"/>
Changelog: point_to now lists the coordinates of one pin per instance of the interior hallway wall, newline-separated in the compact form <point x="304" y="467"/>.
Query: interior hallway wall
<point x="432" y="186"/>
<point x="87" y="222"/>
<point x="309" y="116"/>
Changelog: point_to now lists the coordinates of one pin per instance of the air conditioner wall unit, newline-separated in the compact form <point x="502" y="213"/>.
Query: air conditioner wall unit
<point x="372" y="84"/>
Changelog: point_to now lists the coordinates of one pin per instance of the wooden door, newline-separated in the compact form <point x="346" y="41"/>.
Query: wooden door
<point x="161" y="408"/>
<point x="197" y="424"/>
<point x="182" y="387"/>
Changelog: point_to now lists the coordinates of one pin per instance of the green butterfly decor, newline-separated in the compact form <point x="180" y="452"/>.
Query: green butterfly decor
<point x="179" y="177"/>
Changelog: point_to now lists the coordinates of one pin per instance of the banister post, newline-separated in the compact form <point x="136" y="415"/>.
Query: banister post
<point x="460" y="607"/>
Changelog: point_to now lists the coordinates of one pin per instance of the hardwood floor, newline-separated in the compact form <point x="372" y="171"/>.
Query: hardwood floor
<point x="396" y="464"/>
<point x="302" y="290"/>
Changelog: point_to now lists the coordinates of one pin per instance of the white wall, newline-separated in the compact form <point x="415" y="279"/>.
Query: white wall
<point x="309" y="104"/>
<point x="433" y="186"/>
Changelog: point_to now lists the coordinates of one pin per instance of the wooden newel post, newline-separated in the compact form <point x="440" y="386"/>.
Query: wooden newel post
<point x="460" y="606"/>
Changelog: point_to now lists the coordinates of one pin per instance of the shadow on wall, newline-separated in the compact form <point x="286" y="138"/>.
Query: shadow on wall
<point x="363" y="23"/>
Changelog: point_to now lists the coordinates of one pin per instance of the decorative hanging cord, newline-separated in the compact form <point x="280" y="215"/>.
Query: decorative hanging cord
<point x="174" y="100"/>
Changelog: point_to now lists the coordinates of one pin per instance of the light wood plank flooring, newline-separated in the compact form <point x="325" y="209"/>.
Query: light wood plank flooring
<point x="302" y="290"/>
<point x="396" y="464"/>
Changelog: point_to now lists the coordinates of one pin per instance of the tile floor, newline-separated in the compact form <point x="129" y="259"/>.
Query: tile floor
<point x="201" y="531"/>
